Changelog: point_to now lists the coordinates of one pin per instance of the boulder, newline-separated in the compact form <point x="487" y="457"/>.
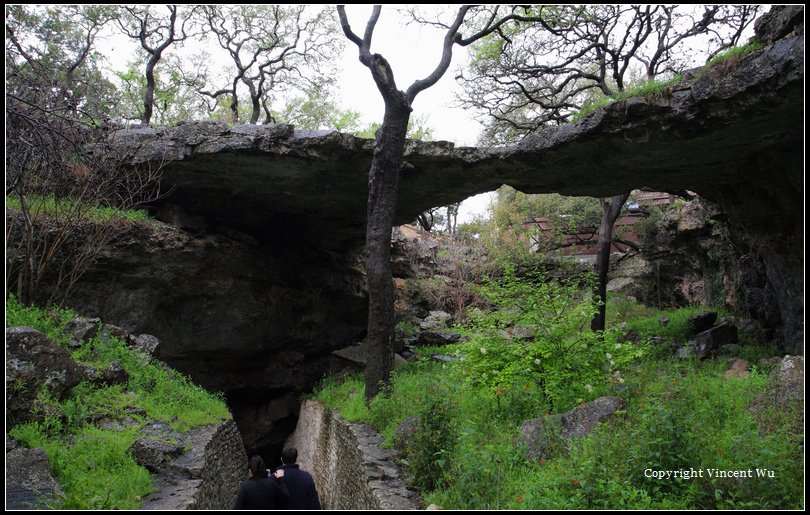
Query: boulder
<point x="684" y="352"/>
<point x="405" y="432"/>
<point x="114" y="374"/>
<point x="115" y="331"/>
<point x="443" y="358"/>
<point x="436" y="321"/>
<point x="739" y="368"/>
<point x="789" y="379"/>
<point x="702" y="321"/>
<point x="708" y="342"/>
<point x="81" y="329"/>
<point x="779" y="22"/>
<point x="29" y="481"/>
<point x="34" y="362"/>
<point x="542" y="437"/>
<point x="145" y="342"/>
<point x="730" y="349"/>
<point x="356" y="355"/>
<point x="154" y="454"/>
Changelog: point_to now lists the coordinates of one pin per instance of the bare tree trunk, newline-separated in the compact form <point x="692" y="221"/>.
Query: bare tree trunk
<point x="149" y="97"/>
<point x="610" y="212"/>
<point x="383" y="181"/>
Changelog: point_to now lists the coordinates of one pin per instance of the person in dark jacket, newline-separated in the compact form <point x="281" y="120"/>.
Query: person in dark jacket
<point x="260" y="492"/>
<point x="303" y="495"/>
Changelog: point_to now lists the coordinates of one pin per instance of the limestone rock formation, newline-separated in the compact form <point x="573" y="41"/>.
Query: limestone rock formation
<point x="29" y="481"/>
<point x="731" y="133"/>
<point x="33" y="363"/>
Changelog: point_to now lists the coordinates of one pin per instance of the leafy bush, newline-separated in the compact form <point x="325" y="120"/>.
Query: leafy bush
<point x="568" y="362"/>
<point x="430" y="449"/>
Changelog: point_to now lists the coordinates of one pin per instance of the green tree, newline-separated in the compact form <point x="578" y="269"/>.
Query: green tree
<point x="174" y="100"/>
<point x="315" y="110"/>
<point x="544" y="69"/>
<point x="58" y="44"/>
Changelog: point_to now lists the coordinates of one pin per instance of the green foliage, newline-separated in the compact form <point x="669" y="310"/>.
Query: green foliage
<point x="676" y="330"/>
<point x="49" y="322"/>
<point x="680" y="415"/>
<point x="418" y="129"/>
<point x="566" y="361"/>
<point x="59" y="208"/>
<point x="650" y="89"/>
<point x="409" y="328"/>
<point x="429" y="450"/>
<point x="736" y="53"/>
<point x="92" y="465"/>
<point x="315" y="110"/>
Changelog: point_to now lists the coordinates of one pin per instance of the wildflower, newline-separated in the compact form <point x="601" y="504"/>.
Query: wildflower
<point x="608" y="356"/>
<point x="621" y="380"/>
<point x="575" y="482"/>
<point x="520" y="498"/>
<point x="499" y="391"/>
<point x="484" y="376"/>
<point x="589" y="388"/>
<point x="537" y="361"/>
<point x="483" y="350"/>
<point x="618" y="345"/>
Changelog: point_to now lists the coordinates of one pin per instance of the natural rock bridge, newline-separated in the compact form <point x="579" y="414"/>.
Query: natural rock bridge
<point x="271" y="283"/>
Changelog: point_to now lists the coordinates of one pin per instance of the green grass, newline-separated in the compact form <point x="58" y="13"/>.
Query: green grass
<point x="681" y="414"/>
<point x="92" y="464"/>
<point x="62" y="208"/>
<point x="649" y="89"/>
<point x="736" y="53"/>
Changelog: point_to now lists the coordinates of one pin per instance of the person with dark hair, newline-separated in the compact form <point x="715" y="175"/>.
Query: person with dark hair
<point x="303" y="494"/>
<point x="260" y="491"/>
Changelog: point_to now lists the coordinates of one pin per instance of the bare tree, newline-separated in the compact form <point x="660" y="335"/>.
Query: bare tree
<point x="272" y="47"/>
<point x="383" y="177"/>
<point x="155" y="34"/>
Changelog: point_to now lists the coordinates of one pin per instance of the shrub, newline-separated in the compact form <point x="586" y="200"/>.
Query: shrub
<point x="568" y="362"/>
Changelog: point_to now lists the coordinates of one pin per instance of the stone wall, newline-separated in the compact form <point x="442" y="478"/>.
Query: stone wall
<point x="351" y="470"/>
<point x="208" y="476"/>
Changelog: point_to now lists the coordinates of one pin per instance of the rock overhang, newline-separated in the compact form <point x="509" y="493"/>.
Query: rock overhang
<point x="711" y="133"/>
